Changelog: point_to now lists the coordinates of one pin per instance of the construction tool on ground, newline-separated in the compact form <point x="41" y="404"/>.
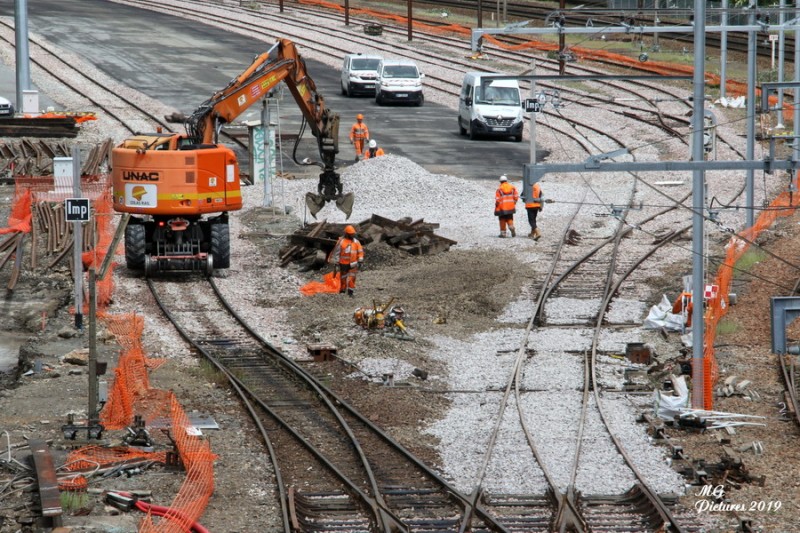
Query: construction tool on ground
<point x="388" y="319"/>
<point x="171" y="181"/>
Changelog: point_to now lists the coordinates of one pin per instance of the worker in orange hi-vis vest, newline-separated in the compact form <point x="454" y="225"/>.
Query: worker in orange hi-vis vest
<point x="505" y="205"/>
<point x="683" y="304"/>
<point x="374" y="150"/>
<point x="347" y="257"/>
<point x="359" y="135"/>
<point x="532" y="207"/>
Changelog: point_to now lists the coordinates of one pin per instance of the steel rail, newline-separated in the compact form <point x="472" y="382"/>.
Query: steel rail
<point x="361" y="419"/>
<point x="374" y="500"/>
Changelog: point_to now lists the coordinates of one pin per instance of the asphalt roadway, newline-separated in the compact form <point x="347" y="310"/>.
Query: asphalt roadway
<point x="182" y="63"/>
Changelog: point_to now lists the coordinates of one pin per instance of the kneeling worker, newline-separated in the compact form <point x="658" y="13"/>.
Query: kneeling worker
<point x="373" y="150"/>
<point x="347" y="257"/>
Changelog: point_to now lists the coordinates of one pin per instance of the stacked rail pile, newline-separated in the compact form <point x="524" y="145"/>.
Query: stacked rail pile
<point x="311" y="245"/>
<point x="29" y="157"/>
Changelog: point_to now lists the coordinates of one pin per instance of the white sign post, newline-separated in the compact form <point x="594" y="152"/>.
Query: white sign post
<point x="773" y="38"/>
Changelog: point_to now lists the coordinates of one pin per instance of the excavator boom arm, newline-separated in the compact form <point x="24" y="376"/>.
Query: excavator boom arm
<point x="280" y="63"/>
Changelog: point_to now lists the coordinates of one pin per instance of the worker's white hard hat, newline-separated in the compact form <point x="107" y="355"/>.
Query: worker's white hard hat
<point x="503" y="178"/>
<point x="373" y="143"/>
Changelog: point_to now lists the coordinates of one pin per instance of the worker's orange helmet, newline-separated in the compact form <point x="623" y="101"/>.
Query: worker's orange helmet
<point x="359" y="117"/>
<point x="349" y="230"/>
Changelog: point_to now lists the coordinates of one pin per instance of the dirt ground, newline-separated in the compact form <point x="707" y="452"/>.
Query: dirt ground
<point x="477" y="286"/>
<point x="38" y="397"/>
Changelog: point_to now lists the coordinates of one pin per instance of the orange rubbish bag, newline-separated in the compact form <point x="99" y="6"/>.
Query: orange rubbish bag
<point x="331" y="282"/>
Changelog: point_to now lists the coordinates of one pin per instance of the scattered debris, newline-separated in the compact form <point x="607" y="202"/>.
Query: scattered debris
<point x="700" y="418"/>
<point x="756" y="446"/>
<point x="388" y="319"/>
<point x="732" y="386"/>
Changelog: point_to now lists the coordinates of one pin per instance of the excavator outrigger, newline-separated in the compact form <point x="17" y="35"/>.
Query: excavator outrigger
<point x="172" y="180"/>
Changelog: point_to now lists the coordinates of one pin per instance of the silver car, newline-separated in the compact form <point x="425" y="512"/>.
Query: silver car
<point x="6" y="108"/>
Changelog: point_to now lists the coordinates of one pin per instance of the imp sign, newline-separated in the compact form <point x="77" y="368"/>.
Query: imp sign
<point x="77" y="209"/>
<point x="533" y="105"/>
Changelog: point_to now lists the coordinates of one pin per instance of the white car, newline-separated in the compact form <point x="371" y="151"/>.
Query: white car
<point x="399" y="80"/>
<point x="6" y="108"/>
<point x="360" y="74"/>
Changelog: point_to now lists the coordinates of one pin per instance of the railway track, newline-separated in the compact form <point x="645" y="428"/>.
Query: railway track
<point x="625" y="19"/>
<point x="336" y="469"/>
<point x="352" y="489"/>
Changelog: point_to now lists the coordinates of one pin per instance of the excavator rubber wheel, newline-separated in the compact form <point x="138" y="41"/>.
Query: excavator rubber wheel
<point x="221" y="245"/>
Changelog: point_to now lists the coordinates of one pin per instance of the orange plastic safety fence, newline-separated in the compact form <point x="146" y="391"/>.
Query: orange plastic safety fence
<point x="131" y="382"/>
<point x="716" y="307"/>
<point x="131" y="394"/>
<point x="75" y="483"/>
<point x="94" y="258"/>
<point x="90" y="458"/>
<point x="127" y="328"/>
<point x="20" y="218"/>
<point x="198" y="487"/>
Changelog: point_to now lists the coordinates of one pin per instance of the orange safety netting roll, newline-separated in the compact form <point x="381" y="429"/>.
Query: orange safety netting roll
<point x="331" y="283"/>
<point x="90" y="458"/>
<point x="716" y="307"/>
<point x="198" y="486"/>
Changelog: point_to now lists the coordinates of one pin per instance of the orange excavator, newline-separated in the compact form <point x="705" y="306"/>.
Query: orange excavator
<point x="179" y="187"/>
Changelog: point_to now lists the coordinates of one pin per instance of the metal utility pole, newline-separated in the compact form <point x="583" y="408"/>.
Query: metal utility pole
<point x="92" y="347"/>
<point x="480" y="13"/>
<point x="796" y="121"/>
<point x="410" y="19"/>
<point x="532" y="121"/>
<point x="562" y="42"/>
<point x="77" y="240"/>
<point x="265" y="127"/>
<point x="723" y="51"/>
<point x="698" y="208"/>
<point x="750" y="150"/>
<point x="781" y="45"/>
<point x="22" y="54"/>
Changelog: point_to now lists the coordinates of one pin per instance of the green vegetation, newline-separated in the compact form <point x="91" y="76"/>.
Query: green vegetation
<point x="746" y="262"/>
<point x="74" y="501"/>
<point x="210" y="373"/>
<point x="726" y="327"/>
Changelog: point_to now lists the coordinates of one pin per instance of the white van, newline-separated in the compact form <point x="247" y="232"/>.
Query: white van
<point x="399" y="80"/>
<point x="495" y="110"/>
<point x="360" y="74"/>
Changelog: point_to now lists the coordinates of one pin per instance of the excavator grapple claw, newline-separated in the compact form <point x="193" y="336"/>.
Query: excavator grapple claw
<point x="345" y="203"/>
<point x="315" y="203"/>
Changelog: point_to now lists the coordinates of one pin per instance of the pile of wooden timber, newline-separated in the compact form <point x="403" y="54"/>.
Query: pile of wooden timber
<point x="311" y="245"/>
